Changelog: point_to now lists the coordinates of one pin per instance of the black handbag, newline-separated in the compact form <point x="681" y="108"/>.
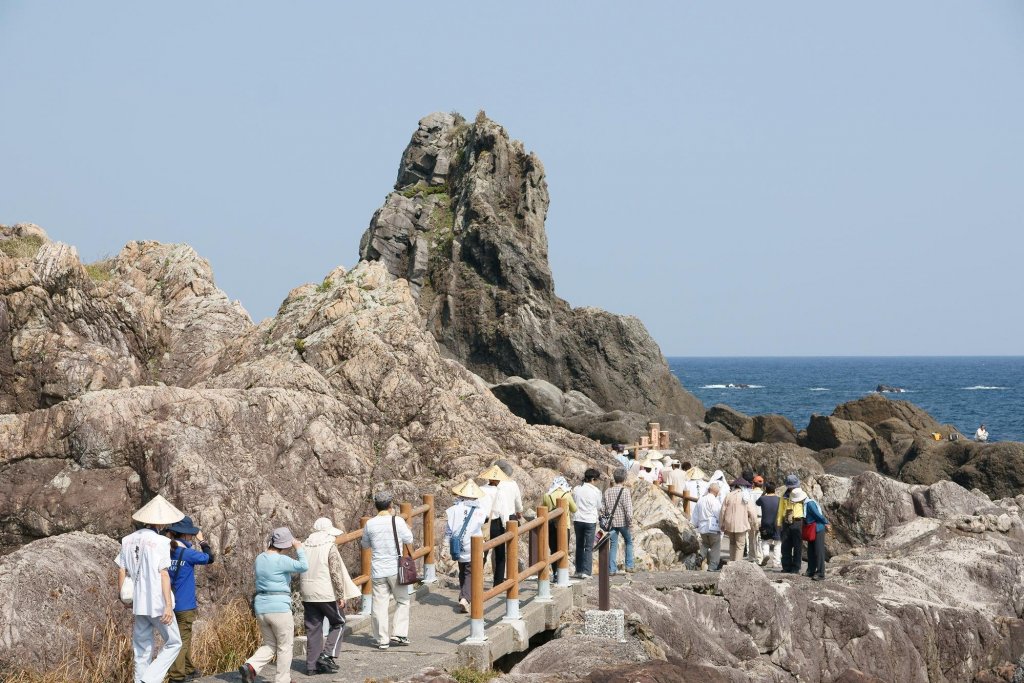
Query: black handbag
<point x="605" y="521"/>
<point x="406" y="565"/>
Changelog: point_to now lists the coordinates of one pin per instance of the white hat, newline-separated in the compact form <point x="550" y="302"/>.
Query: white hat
<point x="671" y="461"/>
<point x="327" y="526"/>
<point x="797" y="495"/>
<point x="655" y="455"/>
<point x="158" y="512"/>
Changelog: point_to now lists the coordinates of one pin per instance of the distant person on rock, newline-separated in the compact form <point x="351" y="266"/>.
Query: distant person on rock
<point x="464" y="520"/>
<point x="385" y="535"/>
<point x="273" y="605"/>
<point x="981" y="435"/>
<point x="325" y="587"/>
<point x="588" y="505"/>
<point x="771" y="546"/>
<point x="790" y="520"/>
<point x="618" y="503"/>
<point x="505" y="502"/>
<point x="559" y="490"/>
<point x="145" y="559"/>
<point x="705" y="519"/>
<point x="184" y="559"/>
<point x="816" y="548"/>
<point x="737" y="515"/>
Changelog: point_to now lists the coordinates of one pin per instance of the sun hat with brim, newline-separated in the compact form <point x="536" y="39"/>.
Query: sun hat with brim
<point x="792" y="481"/>
<point x="797" y="495"/>
<point x="670" y="461"/>
<point x="468" y="489"/>
<point x="646" y="463"/>
<point x="655" y="455"/>
<point x="493" y="473"/>
<point x="740" y="482"/>
<point x="282" y="538"/>
<point x="185" y="526"/>
<point x="327" y="526"/>
<point x="158" y="512"/>
<point x="697" y="473"/>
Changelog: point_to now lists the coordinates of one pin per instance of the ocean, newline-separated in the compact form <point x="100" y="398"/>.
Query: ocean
<point x="962" y="391"/>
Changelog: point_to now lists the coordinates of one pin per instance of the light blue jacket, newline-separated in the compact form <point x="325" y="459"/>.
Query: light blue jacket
<point x="274" y="581"/>
<point x="812" y="513"/>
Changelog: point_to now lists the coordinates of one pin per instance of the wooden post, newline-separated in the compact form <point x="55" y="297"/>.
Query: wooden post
<point x="429" y="573"/>
<point x="602" y="577"/>
<point x="543" y="553"/>
<point x="562" y="577"/>
<point x="512" y="570"/>
<point x="365" y="557"/>
<point x="476" y="606"/>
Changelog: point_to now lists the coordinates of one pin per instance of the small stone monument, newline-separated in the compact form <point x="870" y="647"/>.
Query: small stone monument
<point x="605" y="624"/>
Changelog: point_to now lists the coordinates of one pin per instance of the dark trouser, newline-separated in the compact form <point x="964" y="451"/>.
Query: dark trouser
<point x="553" y="536"/>
<point x="314" y="613"/>
<point x="816" y="555"/>
<point x="792" y="548"/>
<point x="584" y="546"/>
<point x="498" y="559"/>
<point x="466" y="581"/>
<point x="182" y="666"/>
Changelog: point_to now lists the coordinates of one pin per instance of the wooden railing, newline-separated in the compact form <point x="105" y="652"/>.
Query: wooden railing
<point x="541" y="568"/>
<point x="426" y="550"/>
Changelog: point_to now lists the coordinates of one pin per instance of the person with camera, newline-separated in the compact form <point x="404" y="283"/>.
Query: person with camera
<point x="184" y="559"/>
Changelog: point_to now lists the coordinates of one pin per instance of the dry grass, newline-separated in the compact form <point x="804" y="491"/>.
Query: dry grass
<point x="221" y="643"/>
<point x="21" y="247"/>
<point x="101" y="271"/>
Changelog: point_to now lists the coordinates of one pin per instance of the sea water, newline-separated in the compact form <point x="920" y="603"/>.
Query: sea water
<point x="962" y="391"/>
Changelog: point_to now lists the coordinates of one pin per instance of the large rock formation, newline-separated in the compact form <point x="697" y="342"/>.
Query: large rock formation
<point x="465" y="228"/>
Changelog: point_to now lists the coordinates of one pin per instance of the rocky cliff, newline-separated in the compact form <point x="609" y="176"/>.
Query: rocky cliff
<point x="465" y="228"/>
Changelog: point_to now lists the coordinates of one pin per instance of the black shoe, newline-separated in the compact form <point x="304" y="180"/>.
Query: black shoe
<point x="326" y="664"/>
<point x="817" y="578"/>
<point x="399" y="640"/>
<point x="247" y="673"/>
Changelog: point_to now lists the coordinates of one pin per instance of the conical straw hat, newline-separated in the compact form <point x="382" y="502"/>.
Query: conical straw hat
<point x="697" y="473"/>
<point x="493" y="473"/>
<point x="655" y="455"/>
<point x="158" y="512"/>
<point x="468" y="489"/>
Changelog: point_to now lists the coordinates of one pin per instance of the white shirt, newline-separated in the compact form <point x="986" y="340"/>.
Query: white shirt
<point x="676" y="478"/>
<point x="504" y="500"/>
<point x="456" y="516"/>
<point x="981" y="434"/>
<point x="144" y="554"/>
<point x="379" y="536"/>
<point x="588" y="501"/>
<point x="647" y="476"/>
<point x="695" y="488"/>
<point x="705" y="514"/>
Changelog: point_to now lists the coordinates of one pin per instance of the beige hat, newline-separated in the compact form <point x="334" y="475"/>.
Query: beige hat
<point x="158" y="512"/>
<point x="671" y="461"/>
<point x="493" y="473"/>
<point x="697" y="473"/>
<point x="655" y="455"/>
<point x="797" y="495"/>
<point x="327" y="526"/>
<point x="646" y="463"/>
<point x="468" y="489"/>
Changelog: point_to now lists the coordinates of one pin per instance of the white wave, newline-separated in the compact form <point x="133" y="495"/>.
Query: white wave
<point x="981" y="387"/>
<point x="715" y="386"/>
<point x="819" y="389"/>
<point x="733" y="386"/>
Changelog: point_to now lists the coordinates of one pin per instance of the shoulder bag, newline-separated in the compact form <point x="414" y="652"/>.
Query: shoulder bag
<point x="406" y="565"/>
<point x="605" y="521"/>
<point x="455" y="542"/>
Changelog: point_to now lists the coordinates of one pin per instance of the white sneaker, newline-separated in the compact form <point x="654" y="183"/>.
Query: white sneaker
<point x="465" y="605"/>
<point x="584" y="576"/>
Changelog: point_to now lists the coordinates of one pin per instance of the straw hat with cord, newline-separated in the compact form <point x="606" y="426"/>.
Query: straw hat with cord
<point x="468" y="489"/>
<point x="655" y="455"/>
<point x="158" y="512"/>
<point x="493" y="473"/>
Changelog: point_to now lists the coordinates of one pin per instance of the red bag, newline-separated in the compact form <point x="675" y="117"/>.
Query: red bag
<point x="809" y="532"/>
<point x="406" y="565"/>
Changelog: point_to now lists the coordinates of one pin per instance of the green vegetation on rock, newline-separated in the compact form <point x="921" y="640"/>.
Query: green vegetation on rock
<point x="101" y="271"/>
<point x="424" y="190"/>
<point x="21" y="247"/>
<point x="466" y="675"/>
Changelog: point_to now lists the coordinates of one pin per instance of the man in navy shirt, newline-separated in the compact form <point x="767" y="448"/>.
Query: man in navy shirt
<point x="184" y="558"/>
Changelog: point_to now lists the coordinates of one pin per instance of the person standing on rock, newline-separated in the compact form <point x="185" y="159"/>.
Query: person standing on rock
<point x="464" y="520"/>
<point x="145" y="559"/>
<point x="706" y="520"/>
<point x="768" y="504"/>
<point x="384" y="535"/>
<point x="505" y="503"/>
<point x="738" y="514"/>
<point x="325" y="587"/>
<point x="618" y="503"/>
<point x="273" y="605"/>
<point x="816" y="548"/>
<point x="750" y="495"/>
<point x="790" y="520"/>
<point x="558" y="490"/>
<point x="588" y="505"/>
<point x="184" y="559"/>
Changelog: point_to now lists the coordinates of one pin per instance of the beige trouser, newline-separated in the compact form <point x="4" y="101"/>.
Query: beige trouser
<point x="383" y="589"/>
<point x="278" y="635"/>
<point x="737" y="541"/>
<point x="754" y="553"/>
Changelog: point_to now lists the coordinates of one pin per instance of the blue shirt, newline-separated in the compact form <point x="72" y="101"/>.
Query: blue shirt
<point x="812" y="513"/>
<point x="183" y="576"/>
<point x="274" y="581"/>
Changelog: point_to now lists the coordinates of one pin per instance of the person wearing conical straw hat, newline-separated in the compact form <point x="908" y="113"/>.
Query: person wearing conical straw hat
<point x="145" y="559"/>
<point x="646" y="472"/>
<point x="505" y="502"/>
<point x="465" y="519"/>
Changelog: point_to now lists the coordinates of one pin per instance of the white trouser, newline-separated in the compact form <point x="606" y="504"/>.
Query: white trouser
<point x="383" y="589"/>
<point x="754" y="551"/>
<point x="278" y="632"/>
<point x="772" y="549"/>
<point x="147" y="671"/>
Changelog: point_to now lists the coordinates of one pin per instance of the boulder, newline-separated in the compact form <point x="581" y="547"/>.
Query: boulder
<point x="996" y="468"/>
<point x="831" y="432"/>
<point x="875" y="408"/>
<point x="465" y="226"/>
<point x="741" y="426"/>
<point x="578" y="655"/>
<point x="662" y="534"/>
<point x="863" y="509"/>
<point x="772" y="460"/>
<point x="716" y="432"/>
<point x="773" y="429"/>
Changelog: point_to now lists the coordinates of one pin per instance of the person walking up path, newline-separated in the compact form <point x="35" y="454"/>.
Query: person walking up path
<point x="145" y="559"/>
<point x="816" y="548"/>
<point x="558" y="490"/>
<point x="505" y="502"/>
<point x="588" y="505"/>
<point x="325" y="587"/>
<point x="738" y="514"/>
<point x="618" y="503"/>
<point x="380" y="535"/>
<point x="464" y="520"/>
<point x="273" y="605"/>
<point x="706" y="520"/>
<point x="184" y="559"/>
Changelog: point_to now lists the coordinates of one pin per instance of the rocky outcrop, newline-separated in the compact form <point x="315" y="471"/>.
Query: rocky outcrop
<point x="773" y="429"/>
<point x="740" y="425"/>
<point x="832" y="432"/>
<point x="772" y="460"/>
<point x="465" y="227"/>
<point x="874" y="409"/>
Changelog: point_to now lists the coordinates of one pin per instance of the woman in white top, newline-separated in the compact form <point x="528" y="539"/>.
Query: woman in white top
<point x="588" y="502"/>
<point x="706" y="519"/>
<point x="465" y="519"/>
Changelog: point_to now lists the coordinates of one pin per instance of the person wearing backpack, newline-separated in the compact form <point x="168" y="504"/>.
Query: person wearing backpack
<point x="184" y="559"/>
<point x="815" y="519"/>
<point x="558" y="490"/>
<point x="790" y="521"/>
<point x="617" y="509"/>
<point x="465" y="519"/>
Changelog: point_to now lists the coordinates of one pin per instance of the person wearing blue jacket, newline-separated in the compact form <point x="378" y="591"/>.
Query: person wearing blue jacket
<point x="184" y="559"/>
<point x="816" y="548"/>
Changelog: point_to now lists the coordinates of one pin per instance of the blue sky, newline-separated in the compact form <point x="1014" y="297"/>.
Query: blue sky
<point x="797" y="178"/>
